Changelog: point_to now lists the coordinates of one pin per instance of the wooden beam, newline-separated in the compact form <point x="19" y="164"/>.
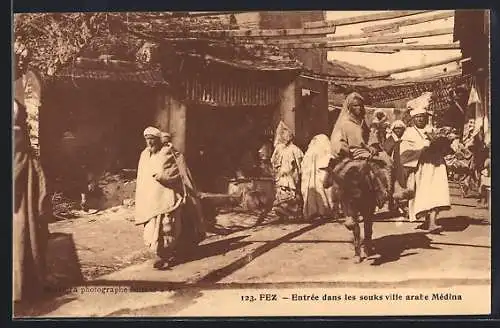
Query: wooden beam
<point x="364" y="18"/>
<point x="415" y="67"/>
<point x="332" y="45"/>
<point x="212" y="13"/>
<point x="357" y="46"/>
<point x="264" y="33"/>
<point x="410" y="21"/>
<point x="383" y="35"/>
<point x="375" y="50"/>
<point x="287" y="39"/>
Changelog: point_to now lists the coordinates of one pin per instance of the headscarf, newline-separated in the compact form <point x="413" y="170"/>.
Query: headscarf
<point x="283" y="134"/>
<point x="320" y="148"/>
<point x="345" y="114"/>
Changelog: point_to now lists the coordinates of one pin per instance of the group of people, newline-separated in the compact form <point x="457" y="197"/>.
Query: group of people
<point x="409" y="168"/>
<point x="411" y="176"/>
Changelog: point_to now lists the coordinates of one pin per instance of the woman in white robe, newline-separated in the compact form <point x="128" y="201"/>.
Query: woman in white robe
<point x="427" y="176"/>
<point x="318" y="200"/>
<point x="286" y="162"/>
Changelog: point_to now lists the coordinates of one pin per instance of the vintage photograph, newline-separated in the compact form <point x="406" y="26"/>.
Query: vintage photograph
<point x="243" y="164"/>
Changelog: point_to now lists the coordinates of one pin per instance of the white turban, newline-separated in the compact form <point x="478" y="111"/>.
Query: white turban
<point x="420" y="105"/>
<point x="398" y="124"/>
<point x="151" y="131"/>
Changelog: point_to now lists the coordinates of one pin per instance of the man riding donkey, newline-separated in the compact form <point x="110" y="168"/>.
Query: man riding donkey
<point x="360" y="170"/>
<point x="163" y="197"/>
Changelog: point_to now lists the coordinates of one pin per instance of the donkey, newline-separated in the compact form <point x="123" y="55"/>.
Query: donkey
<point x="360" y="185"/>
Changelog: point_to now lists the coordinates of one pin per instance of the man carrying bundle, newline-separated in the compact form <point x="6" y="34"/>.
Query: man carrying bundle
<point x="160" y="198"/>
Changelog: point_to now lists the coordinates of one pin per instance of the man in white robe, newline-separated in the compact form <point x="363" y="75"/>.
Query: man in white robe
<point x="427" y="177"/>
<point x="158" y="199"/>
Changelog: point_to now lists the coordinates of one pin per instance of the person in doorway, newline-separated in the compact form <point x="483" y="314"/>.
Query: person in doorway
<point x="427" y="176"/>
<point x="75" y="174"/>
<point x="32" y="212"/>
<point x="158" y="199"/>
<point x="286" y="162"/>
<point x="391" y="147"/>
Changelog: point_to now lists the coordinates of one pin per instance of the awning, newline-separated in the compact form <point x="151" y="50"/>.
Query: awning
<point x="153" y="77"/>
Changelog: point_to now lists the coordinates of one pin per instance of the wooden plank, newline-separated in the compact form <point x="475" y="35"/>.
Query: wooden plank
<point x="375" y="50"/>
<point x="212" y="13"/>
<point x="410" y="21"/>
<point x="383" y="48"/>
<point x="382" y="35"/>
<point x="312" y="45"/>
<point x="415" y="67"/>
<point x="364" y="18"/>
<point x="264" y="33"/>
<point x="308" y="38"/>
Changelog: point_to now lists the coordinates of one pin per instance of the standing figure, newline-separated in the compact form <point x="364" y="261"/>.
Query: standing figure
<point x="391" y="147"/>
<point x="158" y="199"/>
<point x="360" y="172"/>
<point x="318" y="200"/>
<point x="427" y="176"/>
<point x="193" y="219"/>
<point x="31" y="215"/>
<point x="286" y="161"/>
<point x="379" y="128"/>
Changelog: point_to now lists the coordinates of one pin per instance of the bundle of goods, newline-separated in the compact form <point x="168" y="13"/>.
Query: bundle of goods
<point x="441" y="139"/>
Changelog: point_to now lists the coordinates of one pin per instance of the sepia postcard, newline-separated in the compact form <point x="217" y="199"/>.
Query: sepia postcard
<point x="244" y="164"/>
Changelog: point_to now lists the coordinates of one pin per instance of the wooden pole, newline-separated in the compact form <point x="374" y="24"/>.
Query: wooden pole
<point x="410" y="21"/>
<point x="387" y="34"/>
<point x="416" y="67"/>
<point x="355" y="46"/>
<point x="364" y="18"/>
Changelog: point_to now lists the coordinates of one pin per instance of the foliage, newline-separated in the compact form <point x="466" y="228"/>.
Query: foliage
<point x="48" y="41"/>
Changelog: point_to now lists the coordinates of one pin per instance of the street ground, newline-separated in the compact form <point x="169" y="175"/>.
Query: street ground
<point x="240" y="259"/>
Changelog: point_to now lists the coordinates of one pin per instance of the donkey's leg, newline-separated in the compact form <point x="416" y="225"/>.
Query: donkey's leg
<point x="357" y="242"/>
<point x="368" y="231"/>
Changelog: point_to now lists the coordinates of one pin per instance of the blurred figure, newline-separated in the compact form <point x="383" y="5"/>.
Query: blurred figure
<point x="379" y="128"/>
<point x="485" y="184"/>
<point x="32" y="209"/>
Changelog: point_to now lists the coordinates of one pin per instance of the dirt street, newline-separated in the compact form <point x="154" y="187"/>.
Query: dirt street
<point x="239" y="258"/>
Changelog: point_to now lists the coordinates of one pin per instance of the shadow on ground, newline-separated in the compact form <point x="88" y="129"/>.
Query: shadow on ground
<point x="216" y="248"/>
<point x="391" y="247"/>
<point x="460" y="223"/>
